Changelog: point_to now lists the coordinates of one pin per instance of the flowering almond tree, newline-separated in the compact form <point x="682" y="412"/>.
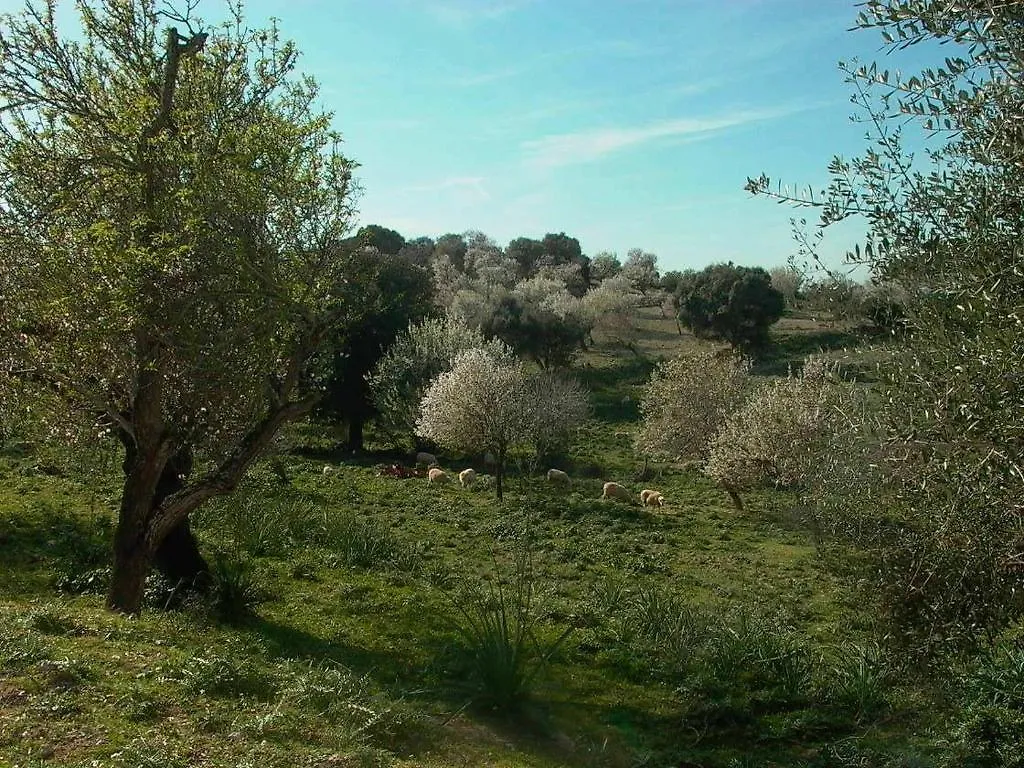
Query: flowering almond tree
<point x="170" y="200"/>
<point x="482" y="404"/>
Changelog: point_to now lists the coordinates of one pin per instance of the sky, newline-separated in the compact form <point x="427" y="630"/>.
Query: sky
<point x="623" y="123"/>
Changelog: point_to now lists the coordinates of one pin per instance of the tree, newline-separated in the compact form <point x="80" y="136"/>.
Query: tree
<point x="737" y="304"/>
<point x="454" y="247"/>
<point x="417" y="357"/>
<point x="670" y="281"/>
<point x="779" y="433"/>
<point x="641" y="269"/>
<point x="527" y="254"/>
<point x="383" y="296"/>
<point x="482" y="404"/>
<point x="604" y="265"/>
<point x="535" y="331"/>
<point x="941" y="451"/>
<point x="687" y="401"/>
<point x="610" y="309"/>
<point x="418" y="251"/>
<point x="559" y="407"/>
<point x="169" y="204"/>
<point x="788" y="281"/>
<point x="561" y="249"/>
<point x="386" y="241"/>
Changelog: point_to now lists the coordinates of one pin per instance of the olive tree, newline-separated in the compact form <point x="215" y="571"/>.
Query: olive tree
<point x="943" y="447"/>
<point x="170" y="193"/>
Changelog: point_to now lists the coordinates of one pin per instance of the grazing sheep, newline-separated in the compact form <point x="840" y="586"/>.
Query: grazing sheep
<point x="651" y="498"/>
<point x="558" y="477"/>
<point x="428" y="459"/>
<point x="615" y="491"/>
<point x="437" y="476"/>
<point x="467" y="477"/>
<point x="329" y="470"/>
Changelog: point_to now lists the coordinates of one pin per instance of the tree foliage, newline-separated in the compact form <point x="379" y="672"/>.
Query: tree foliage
<point x="943" y="453"/>
<point x="417" y="357"/>
<point x="687" y="401"/>
<point x="383" y="296"/>
<point x="536" y="331"/>
<point x="724" y="301"/>
<point x="169" y="203"/>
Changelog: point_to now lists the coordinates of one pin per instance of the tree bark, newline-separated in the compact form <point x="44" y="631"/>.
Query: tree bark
<point x="499" y="473"/>
<point x="355" y="434"/>
<point x="177" y="555"/>
<point x="132" y="562"/>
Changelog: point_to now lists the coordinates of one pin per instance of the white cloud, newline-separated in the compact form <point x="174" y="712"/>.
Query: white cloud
<point x="590" y="145"/>
<point x="464" y="13"/>
<point x="468" y="189"/>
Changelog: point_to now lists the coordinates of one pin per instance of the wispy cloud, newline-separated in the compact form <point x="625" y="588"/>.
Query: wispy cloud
<point x="484" y="78"/>
<point x="590" y="145"/>
<point x="470" y="189"/>
<point x="466" y="13"/>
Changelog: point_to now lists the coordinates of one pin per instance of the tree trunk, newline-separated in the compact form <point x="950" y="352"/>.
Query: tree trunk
<point x="355" y="435"/>
<point x="734" y="495"/>
<point x="499" y="473"/>
<point x="132" y="562"/>
<point x="133" y="555"/>
<point x="177" y="555"/>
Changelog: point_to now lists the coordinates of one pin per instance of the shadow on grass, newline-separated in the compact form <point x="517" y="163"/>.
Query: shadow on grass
<point x="789" y="351"/>
<point x="46" y="539"/>
<point x="611" y="395"/>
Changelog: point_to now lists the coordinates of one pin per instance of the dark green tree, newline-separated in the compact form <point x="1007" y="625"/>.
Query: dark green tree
<point x="387" y="241"/>
<point x="527" y="254"/>
<point x="535" y="332"/>
<point x="384" y="295"/>
<point x="724" y="301"/>
<point x="454" y="247"/>
<point x="418" y="251"/>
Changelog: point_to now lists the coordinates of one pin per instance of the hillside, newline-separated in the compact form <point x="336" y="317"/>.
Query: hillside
<point x="697" y="635"/>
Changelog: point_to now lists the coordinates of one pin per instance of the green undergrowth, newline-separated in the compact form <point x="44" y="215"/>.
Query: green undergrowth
<point x="361" y="620"/>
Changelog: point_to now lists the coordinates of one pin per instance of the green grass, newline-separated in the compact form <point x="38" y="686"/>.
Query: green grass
<point x="697" y="636"/>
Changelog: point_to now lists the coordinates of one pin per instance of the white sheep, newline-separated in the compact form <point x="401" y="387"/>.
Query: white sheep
<point x="615" y="491"/>
<point x="467" y="477"/>
<point x="427" y="459"/>
<point x="437" y="476"/>
<point x="651" y="498"/>
<point x="558" y="477"/>
<point x="329" y="470"/>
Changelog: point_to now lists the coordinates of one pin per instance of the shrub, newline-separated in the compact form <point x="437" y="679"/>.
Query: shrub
<point x="236" y="592"/>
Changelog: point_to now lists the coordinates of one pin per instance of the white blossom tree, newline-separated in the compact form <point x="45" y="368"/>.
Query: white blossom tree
<point x="777" y="435"/>
<point x="484" y="403"/>
<point x="686" y="402"/>
<point x="560" y="406"/>
<point x="417" y="357"/>
<point x="610" y="310"/>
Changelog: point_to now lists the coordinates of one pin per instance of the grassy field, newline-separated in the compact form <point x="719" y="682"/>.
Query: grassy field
<point x="694" y="636"/>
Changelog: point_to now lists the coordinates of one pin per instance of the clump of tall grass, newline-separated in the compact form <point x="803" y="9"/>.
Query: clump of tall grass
<point x="502" y="637"/>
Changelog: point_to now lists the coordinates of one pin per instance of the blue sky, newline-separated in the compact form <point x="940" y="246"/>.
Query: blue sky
<point x="625" y="123"/>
